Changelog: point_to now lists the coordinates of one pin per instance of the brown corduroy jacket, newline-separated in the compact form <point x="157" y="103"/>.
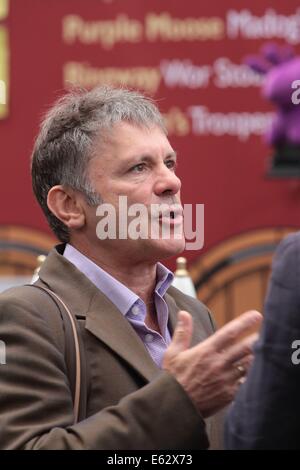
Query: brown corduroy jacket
<point x="131" y="403"/>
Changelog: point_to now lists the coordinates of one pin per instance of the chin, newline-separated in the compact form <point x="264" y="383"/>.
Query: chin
<point x="162" y="249"/>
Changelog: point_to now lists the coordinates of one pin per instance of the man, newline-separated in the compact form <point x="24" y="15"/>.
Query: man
<point x="266" y="412"/>
<point x="145" y="390"/>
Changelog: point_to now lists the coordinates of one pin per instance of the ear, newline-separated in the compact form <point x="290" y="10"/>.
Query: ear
<point x="65" y="204"/>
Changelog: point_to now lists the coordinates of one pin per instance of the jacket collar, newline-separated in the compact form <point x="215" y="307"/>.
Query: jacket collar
<point x="103" y="319"/>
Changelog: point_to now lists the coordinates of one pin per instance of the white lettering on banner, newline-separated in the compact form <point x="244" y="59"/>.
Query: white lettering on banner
<point x="157" y="27"/>
<point x="270" y="25"/>
<point x="83" y="74"/>
<point x="162" y="26"/>
<point x="106" y="33"/>
<point x="184" y="73"/>
<point x="225" y="74"/>
<point x="228" y="75"/>
<point x="241" y="125"/>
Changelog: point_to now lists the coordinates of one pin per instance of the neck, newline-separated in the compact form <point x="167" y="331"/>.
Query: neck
<point x="140" y="277"/>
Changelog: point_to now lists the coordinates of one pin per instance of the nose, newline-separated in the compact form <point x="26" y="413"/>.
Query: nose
<point x="167" y="183"/>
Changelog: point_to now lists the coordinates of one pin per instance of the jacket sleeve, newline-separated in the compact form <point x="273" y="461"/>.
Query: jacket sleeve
<point x="266" y="411"/>
<point x="36" y="409"/>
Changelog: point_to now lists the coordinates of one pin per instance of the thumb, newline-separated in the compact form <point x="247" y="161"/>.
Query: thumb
<point x="183" y="333"/>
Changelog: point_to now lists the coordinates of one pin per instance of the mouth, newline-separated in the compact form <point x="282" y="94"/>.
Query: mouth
<point x="172" y="216"/>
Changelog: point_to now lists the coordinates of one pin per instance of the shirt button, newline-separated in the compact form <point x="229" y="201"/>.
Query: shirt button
<point x="149" y="338"/>
<point x="135" y="310"/>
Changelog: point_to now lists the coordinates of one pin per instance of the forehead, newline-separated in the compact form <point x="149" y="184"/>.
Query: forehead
<point x="128" y="140"/>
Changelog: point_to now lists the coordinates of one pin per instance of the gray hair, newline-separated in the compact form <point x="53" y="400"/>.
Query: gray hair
<point x="67" y="135"/>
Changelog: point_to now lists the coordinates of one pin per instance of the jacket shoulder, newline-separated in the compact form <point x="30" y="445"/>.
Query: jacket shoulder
<point x="286" y="262"/>
<point x="28" y="307"/>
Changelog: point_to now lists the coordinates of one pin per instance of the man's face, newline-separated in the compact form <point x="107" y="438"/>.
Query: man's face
<point x="140" y="164"/>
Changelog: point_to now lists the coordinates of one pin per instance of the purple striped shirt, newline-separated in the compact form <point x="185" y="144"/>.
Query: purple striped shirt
<point x="129" y="304"/>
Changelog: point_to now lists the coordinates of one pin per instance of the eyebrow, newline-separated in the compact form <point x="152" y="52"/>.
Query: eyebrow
<point x="147" y="157"/>
<point x="172" y="155"/>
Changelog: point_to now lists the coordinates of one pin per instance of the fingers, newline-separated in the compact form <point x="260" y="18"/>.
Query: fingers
<point x="240" y="350"/>
<point x="182" y="334"/>
<point x="226" y="336"/>
<point x="241" y="368"/>
<point x="237" y="375"/>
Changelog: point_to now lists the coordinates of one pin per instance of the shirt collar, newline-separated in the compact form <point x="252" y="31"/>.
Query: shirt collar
<point x="122" y="297"/>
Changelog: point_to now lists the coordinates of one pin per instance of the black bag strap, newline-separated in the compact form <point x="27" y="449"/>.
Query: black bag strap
<point x="74" y="356"/>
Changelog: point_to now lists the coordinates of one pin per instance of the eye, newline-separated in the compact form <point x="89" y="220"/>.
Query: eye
<point x="171" y="164"/>
<point x="138" y="168"/>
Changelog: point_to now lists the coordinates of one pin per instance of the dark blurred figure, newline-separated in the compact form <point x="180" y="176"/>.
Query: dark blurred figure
<point x="266" y="412"/>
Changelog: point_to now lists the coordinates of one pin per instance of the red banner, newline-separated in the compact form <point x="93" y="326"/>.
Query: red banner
<point x="189" y="56"/>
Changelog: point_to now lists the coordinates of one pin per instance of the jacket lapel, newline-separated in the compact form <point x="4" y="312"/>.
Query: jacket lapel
<point x="103" y="319"/>
<point x="108" y="324"/>
<point x="198" y="332"/>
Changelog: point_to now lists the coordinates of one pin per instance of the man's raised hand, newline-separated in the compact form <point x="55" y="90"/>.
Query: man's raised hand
<point x="211" y="371"/>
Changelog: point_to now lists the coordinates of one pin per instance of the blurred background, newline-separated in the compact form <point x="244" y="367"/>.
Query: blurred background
<point x="190" y="56"/>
